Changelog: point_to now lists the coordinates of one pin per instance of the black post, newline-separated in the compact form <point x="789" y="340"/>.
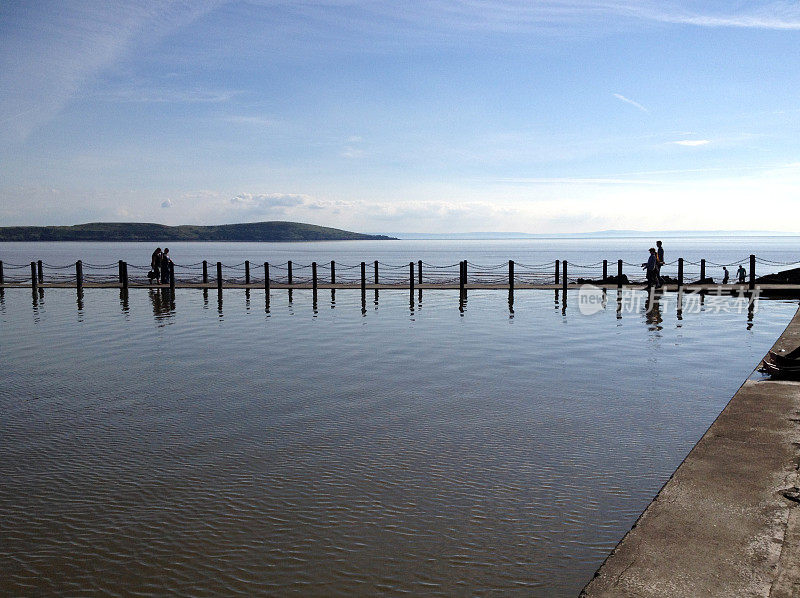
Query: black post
<point x="564" y="279"/>
<point x="419" y="271"/>
<point x="119" y="272"/>
<point x="125" y="274"/>
<point x="605" y="270"/>
<point x="752" y="272"/>
<point x="363" y="277"/>
<point x="680" y="272"/>
<point x="79" y="274"/>
<point x="247" y="272"/>
<point x="702" y="270"/>
<point x="558" y="268"/>
<point x="619" y="274"/>
<point x="333" y="272"/>
<point x="33" y="275"/>
<point x="266" y="278"/>
<point x="39" y="271"/>
<point x="461" y="277"/>
<point x="511" y="274"/>
<point x="466" y="275"/>
<point x="219" y="276"/>
<point x="205" y="272"/>
<point x="314" y="276"/>
<point x="376" y="271"/>
<point x="172" y="276"/>
<point x="289" y="266"/>
<point x="410" y="275"/>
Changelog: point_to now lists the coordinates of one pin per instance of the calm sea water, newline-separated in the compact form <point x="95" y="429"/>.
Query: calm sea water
<point x="407" y="446"/>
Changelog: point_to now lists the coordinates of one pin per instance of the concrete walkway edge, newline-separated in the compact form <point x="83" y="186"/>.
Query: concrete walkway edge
<point x="727" y="522"/>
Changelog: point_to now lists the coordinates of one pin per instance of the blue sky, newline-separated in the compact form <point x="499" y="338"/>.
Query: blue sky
<point x="438" y="116"/>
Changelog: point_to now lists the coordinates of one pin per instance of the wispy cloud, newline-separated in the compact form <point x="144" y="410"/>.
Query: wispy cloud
<point x="252" y="121"/>
<point x="771" y="15"/>
<point x="622" y="98"/>
<point x="691" y="142"/>
<point x="169" y="96"/>
<point x="579" y="181"/>
<point x="47" y="56"/>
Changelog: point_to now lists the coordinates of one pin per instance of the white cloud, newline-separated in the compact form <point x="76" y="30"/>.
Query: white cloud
<point x="622" y="98"/>
<point x="691" y="142"/>
<point x="267" y="202"/>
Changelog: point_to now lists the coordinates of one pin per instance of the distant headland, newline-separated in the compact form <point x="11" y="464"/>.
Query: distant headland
<point x="136" y="231"/>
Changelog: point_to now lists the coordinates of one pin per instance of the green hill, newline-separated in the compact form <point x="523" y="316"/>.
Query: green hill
<point x="135" y="231"/>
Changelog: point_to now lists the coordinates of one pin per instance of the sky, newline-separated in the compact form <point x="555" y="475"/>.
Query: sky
<point x="393" y="116"/>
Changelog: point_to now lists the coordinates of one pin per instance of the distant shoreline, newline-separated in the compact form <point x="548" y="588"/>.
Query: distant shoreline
<point x="106" y="232"/>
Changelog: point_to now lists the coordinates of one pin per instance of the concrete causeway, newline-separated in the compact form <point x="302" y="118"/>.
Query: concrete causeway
<point x="727" y="523"/>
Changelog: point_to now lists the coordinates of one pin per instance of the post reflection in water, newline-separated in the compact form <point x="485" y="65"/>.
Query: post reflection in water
<point x="219" y="302"/>
<point x="680" y="305"/>
<point x="333" y="298"/>
<point x="314" y="302"/>
<point x="750" y="310"/>
<point x="510" y="303"/>
<point x="2" y="299"/>
<point x="205" y="298"/>
<point x="556" y="300"/>
<point x="376" y="299"/>
<point x="363" y="302"/>
<point x="79" y="300"/>
<point x="290" y="296"/>
<point x="563" y="303"/>
<point x="419" y="298"/>
<point x="247" y="299"/>
<point x="462" y="302"/>
<point x="410" y="302"/>
<point x="619" y="304"/>
<point x="123" y="301"/>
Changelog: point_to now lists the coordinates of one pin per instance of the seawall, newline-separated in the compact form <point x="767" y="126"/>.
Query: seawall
<point x="727" y="523"/>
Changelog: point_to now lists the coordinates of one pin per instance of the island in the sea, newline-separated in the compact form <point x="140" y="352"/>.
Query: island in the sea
<point x="136" y="231"/>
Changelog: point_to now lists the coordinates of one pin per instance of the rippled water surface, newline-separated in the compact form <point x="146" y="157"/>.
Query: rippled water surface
<point x="155" y="445"/>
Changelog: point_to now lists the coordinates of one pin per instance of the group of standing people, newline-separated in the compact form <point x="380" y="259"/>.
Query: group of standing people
<point x="656" y="260"/>
<point x="159" y="265"/>
<point x="741" y="274"/>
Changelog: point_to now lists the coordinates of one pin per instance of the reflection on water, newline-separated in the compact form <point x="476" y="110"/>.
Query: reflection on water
<point x="440" y="452"/>
<point x="653" y="316"/>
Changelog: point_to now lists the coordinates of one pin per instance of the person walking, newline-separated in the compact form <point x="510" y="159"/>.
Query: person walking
<point x="652" y="269"/>
<point x="155" y="265"/>
<point x="740" y="274"/>
<point x="165" y="262"/>
<point x="726" y="276"/>
<point x="659" y="262"/>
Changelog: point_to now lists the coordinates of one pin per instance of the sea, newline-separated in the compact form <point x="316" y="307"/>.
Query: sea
<point x="411" y="444"/>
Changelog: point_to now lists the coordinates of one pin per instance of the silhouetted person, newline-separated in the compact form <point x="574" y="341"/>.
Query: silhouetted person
<point x="659" y="262"/>
<point x="740" y="273"/>
<point x="155" y="265"/>
<point x="652" y="269"/>
<point x="726" y="276"/>
<point x="165" y="262"/>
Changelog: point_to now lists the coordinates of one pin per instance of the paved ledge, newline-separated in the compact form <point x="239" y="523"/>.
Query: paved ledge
<point x="721" y="526"/>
